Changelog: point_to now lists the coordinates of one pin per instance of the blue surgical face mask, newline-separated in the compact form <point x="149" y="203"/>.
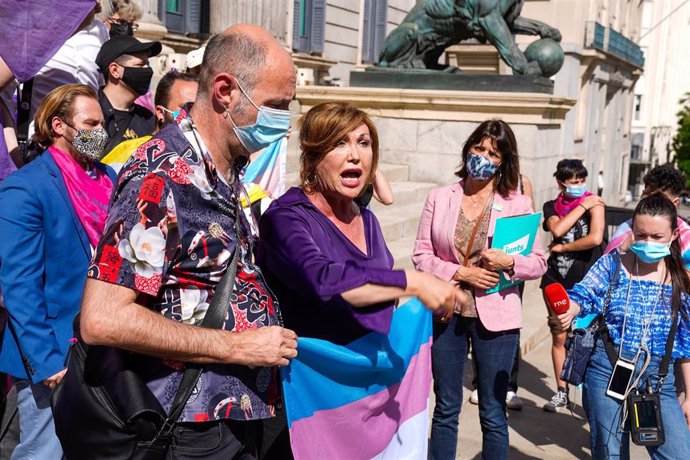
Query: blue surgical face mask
<point x="271" y="126"/>
<point x="174" y="113"/>
<point x="480" y="168"/>
<point x="650" y="252"/>
<point x="575" y="191"/>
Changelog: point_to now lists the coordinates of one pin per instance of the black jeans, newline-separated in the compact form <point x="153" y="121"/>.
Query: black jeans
<point x="226" y="440"/>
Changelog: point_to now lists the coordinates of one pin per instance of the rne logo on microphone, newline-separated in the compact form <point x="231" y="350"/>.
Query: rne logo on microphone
<point x="517" y="246"/>
<point x="560" y="303"/>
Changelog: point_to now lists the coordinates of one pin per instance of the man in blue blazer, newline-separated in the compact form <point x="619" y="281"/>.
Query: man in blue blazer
<point x="49" y="212"/>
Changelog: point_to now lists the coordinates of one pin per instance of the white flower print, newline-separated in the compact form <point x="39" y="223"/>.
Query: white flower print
<point x="194" y="305"/>
<point x="200" y="181"/>
<point x="145" y="249"/>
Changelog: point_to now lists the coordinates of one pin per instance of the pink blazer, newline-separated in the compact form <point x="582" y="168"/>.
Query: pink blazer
<point x="434" y="252"/>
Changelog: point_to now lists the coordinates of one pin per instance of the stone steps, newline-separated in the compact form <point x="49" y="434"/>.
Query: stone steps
<point x="400" y="221"/>
<point x="405" y="193"/>
<point x="402" y="252"/>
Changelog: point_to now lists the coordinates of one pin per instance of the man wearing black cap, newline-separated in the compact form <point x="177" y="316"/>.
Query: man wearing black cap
<point x="124" y="63"/>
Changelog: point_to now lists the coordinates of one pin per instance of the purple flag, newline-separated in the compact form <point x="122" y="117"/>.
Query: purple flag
<point x="31" y="31"/>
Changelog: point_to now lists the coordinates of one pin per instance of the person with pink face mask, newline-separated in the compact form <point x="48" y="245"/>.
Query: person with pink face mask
<point x="575" y="220"/>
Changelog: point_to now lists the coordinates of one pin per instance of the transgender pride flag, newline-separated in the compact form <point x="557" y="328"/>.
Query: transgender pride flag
<point x="624" y="231"/>
<point x="368" y="399"/>
<point x="268" y="169"/>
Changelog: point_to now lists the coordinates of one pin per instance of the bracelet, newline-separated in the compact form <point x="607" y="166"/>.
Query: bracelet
<point x="583" y="207"/>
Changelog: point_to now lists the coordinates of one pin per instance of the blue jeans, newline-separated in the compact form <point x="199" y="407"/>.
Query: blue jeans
<point x="607" y="440"/>
<point x="493" y="354"/>
<point x="37" y="439"/>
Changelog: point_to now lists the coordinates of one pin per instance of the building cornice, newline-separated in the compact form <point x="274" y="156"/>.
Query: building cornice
<point x="520" y="108"/>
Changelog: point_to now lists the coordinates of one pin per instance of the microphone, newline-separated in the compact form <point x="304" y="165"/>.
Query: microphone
<point x="557" y="298"/>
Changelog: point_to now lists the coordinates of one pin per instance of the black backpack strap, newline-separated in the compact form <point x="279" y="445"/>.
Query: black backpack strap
<point x="603" y="328"/>
<point x="24" y="110"/>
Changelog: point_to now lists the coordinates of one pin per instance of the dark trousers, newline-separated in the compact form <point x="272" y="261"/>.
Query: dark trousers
<point x="223" y="440"/>
<point x="493" y="353"/>
<point x="512" y="383"/>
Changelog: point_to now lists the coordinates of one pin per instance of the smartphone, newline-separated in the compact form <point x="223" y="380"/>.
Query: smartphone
<point x="620" y="379"/>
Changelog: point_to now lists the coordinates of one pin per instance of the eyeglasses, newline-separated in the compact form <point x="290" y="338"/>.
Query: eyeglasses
<point x="123" y="22"/>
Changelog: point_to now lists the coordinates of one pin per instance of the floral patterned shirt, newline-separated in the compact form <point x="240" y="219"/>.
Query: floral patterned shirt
<point x="171" y="234"/>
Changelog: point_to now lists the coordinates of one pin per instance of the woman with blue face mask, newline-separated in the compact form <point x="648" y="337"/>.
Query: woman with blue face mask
<point x="649" y="294"/>
<point x="453" y="243"/>
<point x="575" y="220"/>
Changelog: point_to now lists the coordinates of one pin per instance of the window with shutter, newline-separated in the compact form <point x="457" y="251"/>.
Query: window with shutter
<point x="309" y="22"/>
<point x="181" y="16"/>
<point x="374" y="33"/>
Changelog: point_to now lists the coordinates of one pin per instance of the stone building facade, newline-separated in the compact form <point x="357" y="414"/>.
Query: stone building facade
<point x="665" y="40"/>
<point x="330" y="38"/>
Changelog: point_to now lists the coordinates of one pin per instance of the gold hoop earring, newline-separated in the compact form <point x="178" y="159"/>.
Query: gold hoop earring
<point x="310" y="181"/>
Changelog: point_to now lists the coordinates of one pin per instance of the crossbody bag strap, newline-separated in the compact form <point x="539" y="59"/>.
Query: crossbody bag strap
<point x="480" y="219"/>
<point x="666" y="360"/>
<point x="604" y="330"/>
<point x="213" y="319"/>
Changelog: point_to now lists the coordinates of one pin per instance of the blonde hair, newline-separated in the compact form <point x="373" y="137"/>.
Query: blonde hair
<point x="58" y="103"/>
<point x="128" y="11"/>
<point x="322" y="127"/>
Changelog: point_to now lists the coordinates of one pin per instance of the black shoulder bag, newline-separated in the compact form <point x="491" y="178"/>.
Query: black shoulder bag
<point x="104" y="410"/>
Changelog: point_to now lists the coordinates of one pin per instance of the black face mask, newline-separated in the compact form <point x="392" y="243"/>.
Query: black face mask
<point x="118" y="29"/>
<point x="138" y="78"/>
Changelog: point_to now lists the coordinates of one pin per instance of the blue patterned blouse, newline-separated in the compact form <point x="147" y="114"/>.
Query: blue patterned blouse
<point x="590" y="294"/>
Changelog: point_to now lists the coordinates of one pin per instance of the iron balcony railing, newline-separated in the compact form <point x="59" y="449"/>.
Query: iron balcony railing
<point x="613" y="42"/>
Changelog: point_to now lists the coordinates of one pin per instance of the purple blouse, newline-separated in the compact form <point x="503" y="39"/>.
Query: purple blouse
<point x="308" y="263"/>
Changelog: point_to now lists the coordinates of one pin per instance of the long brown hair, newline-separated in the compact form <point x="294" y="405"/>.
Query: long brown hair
<point x="58" y="103"/>
<point x="507" y="177"/>
<point x="658" y="204"/>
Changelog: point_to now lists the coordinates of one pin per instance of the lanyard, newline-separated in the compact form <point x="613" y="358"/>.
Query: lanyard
<point x="646" y="326"/>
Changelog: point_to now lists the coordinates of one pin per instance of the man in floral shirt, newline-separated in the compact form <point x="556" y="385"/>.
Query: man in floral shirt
<point x="174" y="225"/>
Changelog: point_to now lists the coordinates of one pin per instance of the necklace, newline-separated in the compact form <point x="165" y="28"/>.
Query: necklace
<point x="476" y="203"/>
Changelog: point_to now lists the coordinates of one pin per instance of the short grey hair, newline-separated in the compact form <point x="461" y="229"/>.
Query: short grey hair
<point x="236" y="54"/>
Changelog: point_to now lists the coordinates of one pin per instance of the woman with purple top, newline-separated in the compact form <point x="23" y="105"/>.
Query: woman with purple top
<point x="324" y="256"/>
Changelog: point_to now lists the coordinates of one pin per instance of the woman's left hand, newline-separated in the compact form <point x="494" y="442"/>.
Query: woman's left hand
<point x="686" y="408"/>
<point x="495" y="259"/>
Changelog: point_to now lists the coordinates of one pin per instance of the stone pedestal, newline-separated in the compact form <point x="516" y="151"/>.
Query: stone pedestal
<point x="406" y="79"/>
<point x="425" y="129"/>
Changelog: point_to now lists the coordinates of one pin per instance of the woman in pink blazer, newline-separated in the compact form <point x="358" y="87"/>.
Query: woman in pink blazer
<point x="453" y="243"/>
